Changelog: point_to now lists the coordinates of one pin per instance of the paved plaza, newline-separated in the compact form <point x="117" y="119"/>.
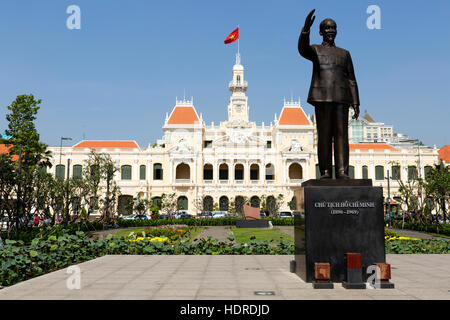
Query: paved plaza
<point x="226" y="277"/>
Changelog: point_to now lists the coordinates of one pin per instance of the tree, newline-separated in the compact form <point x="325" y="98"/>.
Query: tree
<point x="108" y="169"/>
<point x="22" y="131"/>
<point x="277" y="204"/>
<point x="7" y="184"/>
<point x="32" y="155"/>
<point x="141" y="206"/>
<point x="199" y="204"/>
<point x="436" y="186"/>
<point x="169" y="203"/>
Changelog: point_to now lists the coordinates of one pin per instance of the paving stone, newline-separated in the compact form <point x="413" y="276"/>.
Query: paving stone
<point x="226" y="277"/>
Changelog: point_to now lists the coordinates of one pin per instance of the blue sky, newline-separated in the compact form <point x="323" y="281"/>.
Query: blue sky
<point x="118" y="76"/>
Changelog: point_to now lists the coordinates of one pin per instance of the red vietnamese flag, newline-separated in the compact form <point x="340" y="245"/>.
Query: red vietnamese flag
<point x="232" y="37"/>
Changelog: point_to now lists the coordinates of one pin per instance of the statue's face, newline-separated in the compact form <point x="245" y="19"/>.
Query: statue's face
<point x="328" y="31"/>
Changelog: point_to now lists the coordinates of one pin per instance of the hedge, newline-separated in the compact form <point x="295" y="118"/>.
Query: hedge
<point x="227" y="221"/>
<point x="417" y="226"/>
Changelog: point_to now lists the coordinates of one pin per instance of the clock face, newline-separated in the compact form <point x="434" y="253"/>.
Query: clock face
<point x="238" y="108"/>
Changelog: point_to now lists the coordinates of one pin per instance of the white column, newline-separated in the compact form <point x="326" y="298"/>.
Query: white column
<point x="135" y="171"/>
<point x="216" y="172"/>
<point x="149" y="170"/>
<point x="247" y="172"/>
<point x="307" y="170"/>
<point x="195" y="171"/>
<point x="285" y="169"/>
<point x="358" y="173"/>
<point x="262" y="173"/>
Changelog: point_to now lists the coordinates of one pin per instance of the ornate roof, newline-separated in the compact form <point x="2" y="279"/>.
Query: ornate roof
<point x="108" y="144"/>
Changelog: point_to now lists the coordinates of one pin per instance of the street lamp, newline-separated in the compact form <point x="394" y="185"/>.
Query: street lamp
<point x="389" y="198"/>
<point x="60" y="147"/>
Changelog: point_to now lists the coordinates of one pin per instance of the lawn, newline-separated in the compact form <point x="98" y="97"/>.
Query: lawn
<point x="243" y="235"/>
<point x="195" y="231"/>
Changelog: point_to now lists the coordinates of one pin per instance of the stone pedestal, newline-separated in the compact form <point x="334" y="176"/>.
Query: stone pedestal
<point x="337" y="217"/>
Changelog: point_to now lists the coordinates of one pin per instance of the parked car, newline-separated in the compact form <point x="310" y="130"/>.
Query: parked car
<point x="286" y="214"/>
<point x="219" y="214"/>
<point x="183" y="216"/>
<point x="205" y="215"/>
<point x="136" y="216"/>
<point x="164" y="216"/>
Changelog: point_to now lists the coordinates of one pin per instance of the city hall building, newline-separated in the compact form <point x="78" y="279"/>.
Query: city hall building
<point x="237" y="158"/>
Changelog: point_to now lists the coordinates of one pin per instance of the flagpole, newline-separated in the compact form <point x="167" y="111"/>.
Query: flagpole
<point x="238" y="40"/>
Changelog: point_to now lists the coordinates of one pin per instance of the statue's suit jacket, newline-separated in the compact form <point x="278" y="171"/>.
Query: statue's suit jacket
<point x="333" y="78"/>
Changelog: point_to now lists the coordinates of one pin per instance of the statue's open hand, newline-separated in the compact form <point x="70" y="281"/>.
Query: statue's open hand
<point x="308" y="21"/>
<point x="356" y="114"/>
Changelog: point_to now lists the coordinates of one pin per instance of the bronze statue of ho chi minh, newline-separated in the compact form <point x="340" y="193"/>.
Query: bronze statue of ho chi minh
<point x="333" y="90"/>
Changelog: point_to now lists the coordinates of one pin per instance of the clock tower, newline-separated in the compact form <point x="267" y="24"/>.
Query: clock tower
<point x="238" y="108"/>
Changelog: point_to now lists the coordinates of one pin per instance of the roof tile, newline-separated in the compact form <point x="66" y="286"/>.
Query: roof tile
<point x="183" y="115"/>
<point x="293" y="116"/>
<point x="108" y="144"/>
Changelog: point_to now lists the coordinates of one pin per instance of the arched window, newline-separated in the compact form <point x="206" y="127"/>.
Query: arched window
<point x="351" y="172"/>
<point x="207" y="172"/>
<point x="208" y="204"/>
<point x="223" y="203"/>
<point x="157" y="171"/>
<point x="427" y="171"/>
<point x="295" y="171"/>
<point x="77" y="171"/>
<point x="125" y="172"/>
<point x="142" y="172"/>
<point x="239" y="202"/>
<point x="60" y="171"/>
<point x="238" y="79"/>
<point x="223" y="171"/>
<point x="396" y="173"/>
<point x="254" y="172"/>
<point x="238" y="172"/>
<point x="270" y="172"/>
<point x="156" y="201"/>
<point x="271" y="205"/>
<point x="183" y="171"/>
<point x="412" y="173"/>
<point x="182" y="203"/>
<point x="255" y="201"/>
<point x="365" y="172"/>
<point x="379" y="173"/>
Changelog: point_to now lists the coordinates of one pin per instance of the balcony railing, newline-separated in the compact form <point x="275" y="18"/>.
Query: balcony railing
<point x="242" y="84"/>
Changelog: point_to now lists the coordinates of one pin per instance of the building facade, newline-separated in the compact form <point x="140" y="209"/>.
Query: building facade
<point x="235" y="159"/>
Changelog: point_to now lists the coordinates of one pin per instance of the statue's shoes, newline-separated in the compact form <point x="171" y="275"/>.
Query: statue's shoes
<point x="342" y="176"/>
<point x="325" y="176"/>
